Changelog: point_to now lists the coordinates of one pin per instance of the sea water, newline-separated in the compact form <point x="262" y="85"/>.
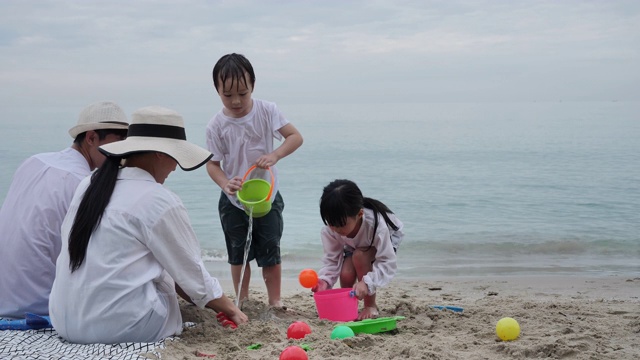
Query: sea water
<point x="482" y="188"/>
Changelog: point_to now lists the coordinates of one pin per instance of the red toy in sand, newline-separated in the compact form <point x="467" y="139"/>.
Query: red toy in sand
<point x="225" y="321"/>
<point x="298" y="330"/>
<point x="293" y="353"/>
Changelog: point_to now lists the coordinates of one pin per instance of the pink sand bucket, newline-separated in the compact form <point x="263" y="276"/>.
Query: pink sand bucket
<point x="336" y="304"/>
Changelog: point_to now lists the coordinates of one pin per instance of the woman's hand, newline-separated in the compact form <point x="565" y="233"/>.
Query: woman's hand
<point x="227" y="312"/>
<point x="238" y="317"/>
<point x="320" y="286"/>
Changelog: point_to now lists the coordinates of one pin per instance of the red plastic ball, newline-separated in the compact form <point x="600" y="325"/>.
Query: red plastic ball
<point x="308" y="278"/>
<point x="298" y="330"/>
<point x="293" y="353"/>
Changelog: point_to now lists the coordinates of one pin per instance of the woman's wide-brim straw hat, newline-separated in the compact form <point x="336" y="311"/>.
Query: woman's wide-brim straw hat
<point x="99" y="116"/>
<point x="155" y="128"/>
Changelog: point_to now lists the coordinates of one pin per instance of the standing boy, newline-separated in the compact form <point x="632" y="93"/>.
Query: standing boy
<point x="239" y="136"/>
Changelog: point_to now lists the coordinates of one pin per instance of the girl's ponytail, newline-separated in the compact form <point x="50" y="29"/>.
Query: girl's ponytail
<point x="378" y="208"/>
<point x="92" y="206"/>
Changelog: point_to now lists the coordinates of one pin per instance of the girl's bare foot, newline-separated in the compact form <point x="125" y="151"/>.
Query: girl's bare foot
<point x="368" y="312"/>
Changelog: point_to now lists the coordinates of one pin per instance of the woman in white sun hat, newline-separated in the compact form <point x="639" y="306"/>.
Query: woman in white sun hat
<point x="128" y="247"/>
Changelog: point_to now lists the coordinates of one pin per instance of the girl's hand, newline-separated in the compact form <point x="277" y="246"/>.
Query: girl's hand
<point x="361" y="290"/>
<point x="321" y="286"/>
<point x="233" y="185"/>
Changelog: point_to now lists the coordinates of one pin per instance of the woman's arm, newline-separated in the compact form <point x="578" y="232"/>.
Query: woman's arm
<point x="225" y="305"/>
<point x="221" y="304"/>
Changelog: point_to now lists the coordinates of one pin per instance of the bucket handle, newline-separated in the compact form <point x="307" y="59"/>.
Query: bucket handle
<point x="272" y="179"/>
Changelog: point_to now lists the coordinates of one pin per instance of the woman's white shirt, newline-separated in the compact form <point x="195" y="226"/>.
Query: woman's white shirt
<point x="124" y="290"/>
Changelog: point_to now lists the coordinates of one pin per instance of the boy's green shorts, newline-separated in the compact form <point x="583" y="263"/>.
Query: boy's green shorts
<point x="266" y="234"/>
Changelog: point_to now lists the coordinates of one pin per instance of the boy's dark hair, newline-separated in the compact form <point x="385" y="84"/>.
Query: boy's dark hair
<point x="342" y="199"/>
<point x="233" y="66"/>
<point x="102" y="134"/>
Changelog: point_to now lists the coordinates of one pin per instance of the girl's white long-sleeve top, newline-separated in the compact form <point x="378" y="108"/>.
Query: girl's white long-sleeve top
<point x="385" y="241"/>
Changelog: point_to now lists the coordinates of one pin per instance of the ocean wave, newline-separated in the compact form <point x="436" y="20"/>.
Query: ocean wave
<point x="549" y="247"/>
<point x="212" y="255"/>
<point x="216" y="255"/>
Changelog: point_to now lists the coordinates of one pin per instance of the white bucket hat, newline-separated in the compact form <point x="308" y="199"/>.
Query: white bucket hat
<point x="100" y="115"/>
<point x="155" y="128"/>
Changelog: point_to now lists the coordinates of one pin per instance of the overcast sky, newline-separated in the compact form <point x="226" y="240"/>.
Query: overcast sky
<point x="71" y="53"/>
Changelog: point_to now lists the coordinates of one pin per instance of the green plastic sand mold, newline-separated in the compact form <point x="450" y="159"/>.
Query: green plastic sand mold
<point x="374" y="326"/>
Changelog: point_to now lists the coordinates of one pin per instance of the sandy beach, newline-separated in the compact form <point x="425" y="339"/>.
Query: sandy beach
<point x="561" y="317"/>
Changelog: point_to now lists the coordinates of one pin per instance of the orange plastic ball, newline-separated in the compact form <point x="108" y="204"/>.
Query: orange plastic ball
<point x="293" y="353"/>
<point x="308" y="278"/>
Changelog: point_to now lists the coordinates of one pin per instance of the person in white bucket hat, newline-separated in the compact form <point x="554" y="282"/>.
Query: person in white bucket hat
<point x="128" y="245"/>
<point x="100" y="116"/>
<point x="36" y="203"/>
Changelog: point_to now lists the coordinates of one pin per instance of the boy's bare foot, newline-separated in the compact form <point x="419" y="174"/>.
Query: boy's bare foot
<point x="242" y="302"/>
<point x="278" y="308"/>
<point x="277" y="312"/>
<point x="277" y="304"/>
<point x="368" y="312"/>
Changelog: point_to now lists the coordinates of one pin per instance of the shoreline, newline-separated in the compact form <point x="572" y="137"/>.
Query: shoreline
<point x="588" y="286"/>
<point x="583" y="286"/>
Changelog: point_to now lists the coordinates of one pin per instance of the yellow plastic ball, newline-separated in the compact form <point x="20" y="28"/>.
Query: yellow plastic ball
<point x="508" y="329"/>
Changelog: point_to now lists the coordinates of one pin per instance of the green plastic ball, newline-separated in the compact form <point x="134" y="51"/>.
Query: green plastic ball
<point x="342" y="332"/>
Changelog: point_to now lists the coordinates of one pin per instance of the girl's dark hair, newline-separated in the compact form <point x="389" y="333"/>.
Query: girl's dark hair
<point x="233" y="66"/>
<point x="342" y="199"/>
<point x="92" y="206"/>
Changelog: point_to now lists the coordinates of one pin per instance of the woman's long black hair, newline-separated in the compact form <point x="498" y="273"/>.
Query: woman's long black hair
<point x="92" y="206"/>
<point x="342" y="199"/>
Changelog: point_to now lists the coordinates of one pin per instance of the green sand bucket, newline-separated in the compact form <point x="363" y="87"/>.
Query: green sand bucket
<point x="256" y="194"/>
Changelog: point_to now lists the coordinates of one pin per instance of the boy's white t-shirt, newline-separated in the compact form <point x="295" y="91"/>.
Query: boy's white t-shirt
<point x="238" y="142"/>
